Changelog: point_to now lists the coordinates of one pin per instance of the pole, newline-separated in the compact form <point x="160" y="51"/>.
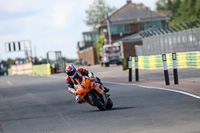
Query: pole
<point x="130" y="68"/>
<point x="109" y="34"/>
<point x="30" y="48"/>
<point x="136" y="69"/>
<point x="175" y="71"/>
<point x="35" y="51"/>
<point x="165" y="69"/>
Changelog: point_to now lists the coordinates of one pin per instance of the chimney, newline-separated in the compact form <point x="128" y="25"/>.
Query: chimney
<point x="129" y="1"/>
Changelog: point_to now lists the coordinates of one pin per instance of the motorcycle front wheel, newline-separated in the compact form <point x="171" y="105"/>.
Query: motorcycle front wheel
<point x="96" y="102"/>
<point x="109" y="104"/>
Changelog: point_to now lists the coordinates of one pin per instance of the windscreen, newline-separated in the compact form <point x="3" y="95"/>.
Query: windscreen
<point x="113" y="49"/>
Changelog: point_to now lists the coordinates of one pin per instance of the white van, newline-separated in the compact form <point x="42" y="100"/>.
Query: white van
<point x="111" y="54"/>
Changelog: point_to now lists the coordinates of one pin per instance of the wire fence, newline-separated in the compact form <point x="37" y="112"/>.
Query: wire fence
<point x="182" y="41"/>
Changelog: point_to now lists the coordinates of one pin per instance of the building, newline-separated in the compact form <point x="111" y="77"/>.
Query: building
<point x="129" y="20"/>
<point x="86" y="52"/>
<point x="125" y="24"/>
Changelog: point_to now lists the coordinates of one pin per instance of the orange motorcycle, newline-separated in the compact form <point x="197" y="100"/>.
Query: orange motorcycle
<point x="93" y="93"/>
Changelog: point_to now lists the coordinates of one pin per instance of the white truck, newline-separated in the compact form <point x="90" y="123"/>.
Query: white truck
<point x="110" y="54"/>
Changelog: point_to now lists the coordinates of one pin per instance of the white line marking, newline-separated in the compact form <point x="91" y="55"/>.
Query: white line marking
<point x="156" y="88"/>
<point x="9" y="82"/>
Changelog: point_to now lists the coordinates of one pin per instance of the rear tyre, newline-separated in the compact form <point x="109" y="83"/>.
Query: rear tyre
<point x="96" y="102"/>
<point x="109" y="104"/>
<point x="107" y="64"/>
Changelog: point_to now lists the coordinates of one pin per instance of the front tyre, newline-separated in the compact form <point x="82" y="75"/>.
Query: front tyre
<point x="109" y="104"/>
<point x="96" y="102"/>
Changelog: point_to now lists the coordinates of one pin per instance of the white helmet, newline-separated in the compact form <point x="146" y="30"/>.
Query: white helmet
<point x="71" y="70"/>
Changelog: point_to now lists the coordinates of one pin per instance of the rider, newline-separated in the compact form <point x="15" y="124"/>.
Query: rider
<point x="73" y="73"/>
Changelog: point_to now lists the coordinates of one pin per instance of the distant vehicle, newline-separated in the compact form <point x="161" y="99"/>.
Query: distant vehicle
<point x="111" y="54"/>
<point x="3" y="70"/>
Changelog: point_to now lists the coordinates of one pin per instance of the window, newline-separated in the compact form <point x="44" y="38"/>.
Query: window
<point x="95" y="36"/>
<point x="87" y="37"/>
<point x="117" y="29"/>
<point x="148" y="25"/>
<point x="90" y="37"/>
<point x="141" y="26"/>
<point x="153" y="24"/>
<point x="126" y="29"/>
<point x="157" y="24"/>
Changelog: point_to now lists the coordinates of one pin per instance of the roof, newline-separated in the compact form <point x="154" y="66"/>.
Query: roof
<point x="89" y="32"/>
<point x="138" y="36"/>
<point x="167" y="13"/>
<point x="132" y="38"/>
<point x="132" y="11"/>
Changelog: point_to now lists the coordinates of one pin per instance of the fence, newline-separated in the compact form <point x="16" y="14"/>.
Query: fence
<point x="184" y="60"/>
<point x="183" y="41"/>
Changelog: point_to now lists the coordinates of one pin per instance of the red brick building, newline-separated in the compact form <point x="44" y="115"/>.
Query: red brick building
<point x="87" y="52"/>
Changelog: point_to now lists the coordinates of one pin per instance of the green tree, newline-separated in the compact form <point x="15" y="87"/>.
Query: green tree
<point x="161" y="5"/>
<point x="10" y="62"/>
<point x="96" y="12"/>
<point x="183" y="10"/>
<point x="189" y="10"/>
<point x="99" y="44"/>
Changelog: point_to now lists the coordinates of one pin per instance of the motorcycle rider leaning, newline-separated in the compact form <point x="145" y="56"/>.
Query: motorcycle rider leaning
<point x="73" y="73"/>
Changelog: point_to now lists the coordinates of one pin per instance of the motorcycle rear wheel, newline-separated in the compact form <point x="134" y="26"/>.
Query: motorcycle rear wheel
<point x="96" y="102"/>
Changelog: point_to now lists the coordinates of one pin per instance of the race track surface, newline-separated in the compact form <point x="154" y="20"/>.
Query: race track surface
<point x="41" y="104"/>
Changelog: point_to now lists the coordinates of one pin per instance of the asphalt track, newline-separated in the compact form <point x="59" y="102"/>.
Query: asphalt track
<point x="40" y="104"/>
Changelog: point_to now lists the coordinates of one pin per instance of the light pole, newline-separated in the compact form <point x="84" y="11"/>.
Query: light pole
<point x="108" y="27"/>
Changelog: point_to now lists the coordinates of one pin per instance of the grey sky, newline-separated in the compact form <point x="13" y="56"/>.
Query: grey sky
<point x="49" y="24"/>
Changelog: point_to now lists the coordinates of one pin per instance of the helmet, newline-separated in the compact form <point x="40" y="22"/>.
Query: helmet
<point x="71" y="70"/>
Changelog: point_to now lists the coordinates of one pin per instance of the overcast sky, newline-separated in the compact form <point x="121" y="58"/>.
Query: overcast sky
<point x="49" y="24"/>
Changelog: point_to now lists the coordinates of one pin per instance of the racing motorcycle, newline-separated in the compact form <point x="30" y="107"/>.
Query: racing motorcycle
<point x="93" y="93"/>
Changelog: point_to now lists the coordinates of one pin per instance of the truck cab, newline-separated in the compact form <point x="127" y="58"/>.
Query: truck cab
<point x="111" y="54"/>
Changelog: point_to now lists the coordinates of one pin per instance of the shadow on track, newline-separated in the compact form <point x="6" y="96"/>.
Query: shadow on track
<point x="116" y="108"/>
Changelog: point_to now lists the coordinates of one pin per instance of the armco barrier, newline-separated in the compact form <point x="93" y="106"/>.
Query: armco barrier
<point x="9" y="72"/>
<point x="21" y="69"/>
<point x="184" y="60"/>
<point x="43" y="69"/>
<point x="28" y="68"/>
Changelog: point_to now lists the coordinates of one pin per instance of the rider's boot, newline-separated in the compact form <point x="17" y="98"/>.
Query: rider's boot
<point x="78" y="99"/>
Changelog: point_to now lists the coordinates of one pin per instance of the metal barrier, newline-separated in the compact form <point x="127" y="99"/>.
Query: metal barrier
<point x="183" y="41"/>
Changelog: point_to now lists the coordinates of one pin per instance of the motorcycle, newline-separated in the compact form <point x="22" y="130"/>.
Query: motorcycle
<point x="93" y="93"/>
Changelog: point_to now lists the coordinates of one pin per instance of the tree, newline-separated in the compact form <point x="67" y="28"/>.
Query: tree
<point x="161" y="5"/>
<point x="99" y="44"/>
<point x="189" y="10"/>
<point x="96" y="12"/>
<point x="183" y="10"/>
